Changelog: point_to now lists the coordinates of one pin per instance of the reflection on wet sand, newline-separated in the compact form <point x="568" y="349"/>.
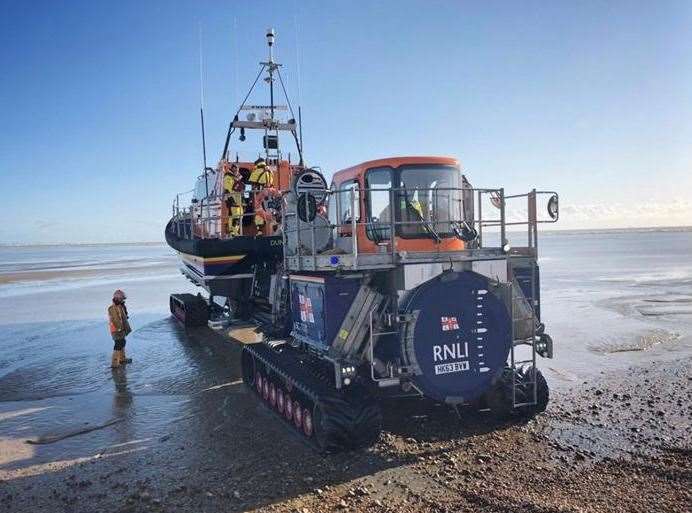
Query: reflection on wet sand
<point x="185" y="435"/>
<point x="137" y="402"/>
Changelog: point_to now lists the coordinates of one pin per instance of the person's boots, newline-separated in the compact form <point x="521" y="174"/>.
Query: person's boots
<point x="123" y="358"/>
<point x="115" y="360"/>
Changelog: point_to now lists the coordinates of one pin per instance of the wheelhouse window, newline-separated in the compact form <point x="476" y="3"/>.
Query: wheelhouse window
<point x="378" y="182"/>
<point x="428" y="207"/>
<point x="201" y="188"/>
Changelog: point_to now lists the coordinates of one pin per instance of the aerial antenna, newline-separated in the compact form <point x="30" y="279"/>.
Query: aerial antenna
<point x="300" y="136"/>
<point x="201" y="109"/>
<point x="271" y="67"/>
<point x="300" y="99"/>
<point x="235" y="58"/>
<point x="296" y="31"/>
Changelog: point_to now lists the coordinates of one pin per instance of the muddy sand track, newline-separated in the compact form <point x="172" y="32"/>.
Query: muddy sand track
<point x="620" y="443"/>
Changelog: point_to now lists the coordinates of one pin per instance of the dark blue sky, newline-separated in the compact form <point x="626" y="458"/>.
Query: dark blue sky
<point x="99" y="101"/>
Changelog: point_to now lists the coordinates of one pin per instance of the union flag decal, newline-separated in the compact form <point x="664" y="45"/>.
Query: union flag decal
<point x="305" y="309"/>
<point x="449" y="323"/>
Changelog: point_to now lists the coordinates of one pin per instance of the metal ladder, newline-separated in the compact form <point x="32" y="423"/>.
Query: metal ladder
<point x="528" y="383"/>
<point x="374" y="335"/>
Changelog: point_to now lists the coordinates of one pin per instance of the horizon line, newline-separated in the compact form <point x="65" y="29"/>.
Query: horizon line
<point x="680" y="228"/>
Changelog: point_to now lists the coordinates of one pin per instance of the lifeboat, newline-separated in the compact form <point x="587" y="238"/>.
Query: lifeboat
<point x="222" y="236"/>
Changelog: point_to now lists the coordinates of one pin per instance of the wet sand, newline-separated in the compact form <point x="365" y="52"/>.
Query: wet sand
<point x="177" y="431"/>
<point x="49" y="275"/>
<point x="621" y="442"/>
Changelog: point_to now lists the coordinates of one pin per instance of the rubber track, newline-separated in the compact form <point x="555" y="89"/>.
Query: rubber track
<point x="351" y="420"/>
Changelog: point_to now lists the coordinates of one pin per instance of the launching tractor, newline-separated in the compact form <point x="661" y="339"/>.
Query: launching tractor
<point x="398" y="279"/>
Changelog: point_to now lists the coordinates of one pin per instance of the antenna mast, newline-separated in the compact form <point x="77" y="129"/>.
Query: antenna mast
<point x="268" y="123"/>
<point x="201" y="111"/>
<point x="271" y="67"/>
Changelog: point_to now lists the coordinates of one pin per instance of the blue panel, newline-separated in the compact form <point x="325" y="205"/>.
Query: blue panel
<point x="340" y="295"/>
<point x="319" y="305"/>
<point x="307" y="307"/>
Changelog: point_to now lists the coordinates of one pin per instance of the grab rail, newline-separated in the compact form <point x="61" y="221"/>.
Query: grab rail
<point x="465" y="207"/>
<point x="431" y="219"/>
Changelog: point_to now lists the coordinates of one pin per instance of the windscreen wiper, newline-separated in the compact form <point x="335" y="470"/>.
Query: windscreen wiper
<point x="464" y="231"/>
<point x="426" y="223"/>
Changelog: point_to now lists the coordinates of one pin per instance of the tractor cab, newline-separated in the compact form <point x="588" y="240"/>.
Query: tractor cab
<point x="418" y="199"/>
<point x="409" y="210"/>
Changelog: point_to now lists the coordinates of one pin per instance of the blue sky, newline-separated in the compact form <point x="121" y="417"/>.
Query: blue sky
<point x="99" y="101"/>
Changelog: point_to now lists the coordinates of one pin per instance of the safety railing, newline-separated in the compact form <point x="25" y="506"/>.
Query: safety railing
<point x="527" y="215"/>
<point x="198" y="219"/>
<point x="210" y="218"/>
<point x="437" y="213"/>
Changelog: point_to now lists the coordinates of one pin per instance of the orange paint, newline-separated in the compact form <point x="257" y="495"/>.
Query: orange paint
<point x="357" y="173"/>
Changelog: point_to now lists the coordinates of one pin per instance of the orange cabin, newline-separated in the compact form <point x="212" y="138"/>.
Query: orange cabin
<point x="426" y="196"/>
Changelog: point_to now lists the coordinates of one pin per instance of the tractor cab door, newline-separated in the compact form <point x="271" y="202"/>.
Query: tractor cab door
<point x="379" y="199"/>
<point x="343" y="206"/>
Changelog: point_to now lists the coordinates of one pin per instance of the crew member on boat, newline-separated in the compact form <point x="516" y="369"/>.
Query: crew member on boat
<point x="260" y="178"/>
<point x="233" y="187"/>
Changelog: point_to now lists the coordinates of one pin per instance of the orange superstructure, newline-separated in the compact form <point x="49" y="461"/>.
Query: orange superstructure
<point x="214" y="207"/>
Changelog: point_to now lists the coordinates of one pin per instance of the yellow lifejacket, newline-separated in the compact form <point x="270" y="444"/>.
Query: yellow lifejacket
<point x="261" y="175"/>
<point x="231" y="187"/>
<point x="231" y="183"/>
<point x="414" y="204"/>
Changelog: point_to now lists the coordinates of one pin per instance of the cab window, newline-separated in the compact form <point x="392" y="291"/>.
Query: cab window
<point x="430" y="200"/>
<point x="332" y="207"/>
<point x="378" y="182"/>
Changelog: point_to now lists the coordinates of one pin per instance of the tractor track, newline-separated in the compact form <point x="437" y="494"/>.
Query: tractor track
<point x="330" y="420"/>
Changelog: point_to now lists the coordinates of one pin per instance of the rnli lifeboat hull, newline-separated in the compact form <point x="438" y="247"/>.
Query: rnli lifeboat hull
<point x="215" y="263"/>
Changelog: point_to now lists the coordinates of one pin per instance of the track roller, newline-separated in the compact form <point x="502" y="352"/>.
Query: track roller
<point x="329" y="419"/>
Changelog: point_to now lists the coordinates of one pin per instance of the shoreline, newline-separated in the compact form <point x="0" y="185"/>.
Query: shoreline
<point x="619" y="442"/>
<point x="51" y="276"/>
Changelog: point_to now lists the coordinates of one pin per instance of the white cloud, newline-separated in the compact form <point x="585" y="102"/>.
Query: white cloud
<point x="676" y="212"/>
<point x="634" y="214"/>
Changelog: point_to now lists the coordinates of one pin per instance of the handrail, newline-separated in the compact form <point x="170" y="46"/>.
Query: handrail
<point x="446" y="217"/>
<point x="454" y="205"/>
<point x="208" y="211"/>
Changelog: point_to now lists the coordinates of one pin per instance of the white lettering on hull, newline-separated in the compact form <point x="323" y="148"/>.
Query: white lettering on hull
<point x="454" y="351"/>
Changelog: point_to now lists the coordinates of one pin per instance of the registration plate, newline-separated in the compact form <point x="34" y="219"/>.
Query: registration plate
<point x="447" y="368"/>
